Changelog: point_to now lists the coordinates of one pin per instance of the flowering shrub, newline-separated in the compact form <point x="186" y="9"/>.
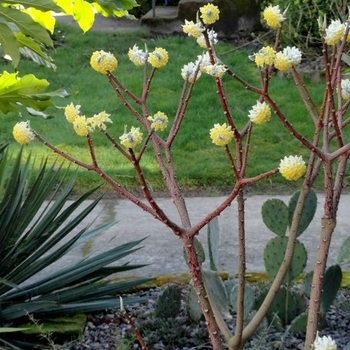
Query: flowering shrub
<point x="327" y="149"/>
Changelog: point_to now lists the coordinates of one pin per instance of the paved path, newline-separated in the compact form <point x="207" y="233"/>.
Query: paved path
<point x="162" y="250"/>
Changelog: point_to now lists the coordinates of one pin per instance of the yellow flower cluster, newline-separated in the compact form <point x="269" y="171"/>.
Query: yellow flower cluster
<point x="334" y="32"/>
<point x="209" y="13"/>
<point x="221" y="135"/>
<point x="212" y="36"/>
<point x="345" y="89"/>
<point x="265" y="57"/>
<point x="22" y="133"/>
<point x="273" y="16"/>
<point x="292" y="167"/>
<point x="132" y="138"/>
<point x="159" y="121"/>
<point x="216" y="70"/>
<point x="324" y="343"/>
<point x="99" y="120"/>
<point x="192" y="29"/>
<point x="282" y="62"/>
<point x="191" y="72"/>
<point x="158" y="58"/>
<point x="260" y="113"/>
<point x="71" y="112"/>
<point x="103" y="62"/>
<point x="286" y="59"/>
<point x="82" y="125"/>
<point x="137" y="56"/>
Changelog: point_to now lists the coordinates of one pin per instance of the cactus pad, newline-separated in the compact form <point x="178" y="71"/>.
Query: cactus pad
<point x="274" y="255"/>
<point x="287" y="305"/>
<point x="213" y="243"/>
<point x="331" y="285"/>
<point x="168" y="304"/>
<point x="308" y="211"/>
<point x="275" y="216"/>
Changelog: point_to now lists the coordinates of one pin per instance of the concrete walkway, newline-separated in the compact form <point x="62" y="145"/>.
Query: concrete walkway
<point x="162" y="250"/>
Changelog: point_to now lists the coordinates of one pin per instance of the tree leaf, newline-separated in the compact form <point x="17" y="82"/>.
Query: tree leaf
<point x="44" y="18"/>
<point x="26" y="25"/>
<point x="31" y="49"/>
<point x="43" y="5"/>
<point x="82" y="12"/>
<point x="26" y="91"/>
<point x="9" y="43"/>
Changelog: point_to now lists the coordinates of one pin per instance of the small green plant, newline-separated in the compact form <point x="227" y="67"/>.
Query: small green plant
<point x="169" y="302"/>
<point x="290" y="302"/>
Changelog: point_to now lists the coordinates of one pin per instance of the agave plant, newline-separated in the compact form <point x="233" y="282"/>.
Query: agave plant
<point x="34" y="221"/>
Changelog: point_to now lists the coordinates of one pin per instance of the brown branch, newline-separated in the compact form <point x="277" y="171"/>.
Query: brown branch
<point x="115" y="144"/>
<point x="305" y="142"/>
<point x="123" y="99"/>
<point x="117" y="84"/>
<point x="237" y="342"/>
<point x="198" y="284"/>
<point x="305" y="96"/>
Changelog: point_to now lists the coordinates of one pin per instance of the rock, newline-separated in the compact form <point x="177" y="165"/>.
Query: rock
<point x="238" y="18"/>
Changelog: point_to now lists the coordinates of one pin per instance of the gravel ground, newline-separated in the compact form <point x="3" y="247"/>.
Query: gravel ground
<point x="110" y="330"/>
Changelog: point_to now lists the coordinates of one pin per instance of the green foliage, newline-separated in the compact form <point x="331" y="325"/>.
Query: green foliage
<point x="289" y="303"/>
<point x="169" y="302"/>
<point x="36" y="231"/>
<point x="27" y="91"/>
<point x="222" y="293"/>
<point x="249" y="299"/>
<point x="274" y="255"/>
<point x="27" y="33"/>
<point x="275" y="216"/>
<point x="15" y="22"/>
<point x="213" y="243"/>
<point x="286" y="306"/>
<point x="344" y="253"/>
<point x="331" y="285"/>
<point x="307" y="213"/>
<point x="301" y="29"/>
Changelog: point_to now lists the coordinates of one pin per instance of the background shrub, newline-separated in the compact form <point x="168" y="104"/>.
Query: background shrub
<point x="301" y="28"/>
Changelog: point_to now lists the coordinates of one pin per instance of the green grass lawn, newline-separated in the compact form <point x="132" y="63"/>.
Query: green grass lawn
<point x="199" y="163"/>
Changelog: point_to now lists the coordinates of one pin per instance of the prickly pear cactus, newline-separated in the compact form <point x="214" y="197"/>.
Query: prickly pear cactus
<point x="213" y="243"/>
<point x="168" y="304"/>
<point x="199" y="250"/>
<point x="275" y="216"/>
<point x="308" y="211"/>
<point x="194" y="310"/>
<point x="216" y="291"/>
<point x="298" y="325"/>
<point x="274" y="254"/>
<point x="331" y="284"/>
<point x="287" y="305"/>
<point x="249" y="299"/>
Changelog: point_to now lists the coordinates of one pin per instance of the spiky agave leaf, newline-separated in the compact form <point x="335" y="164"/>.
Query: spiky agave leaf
<point x="34" y="220"/>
